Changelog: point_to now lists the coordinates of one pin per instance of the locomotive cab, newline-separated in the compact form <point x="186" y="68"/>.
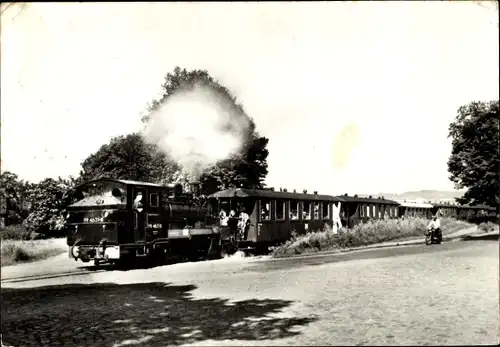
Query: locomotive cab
<point x="111" y="219"/>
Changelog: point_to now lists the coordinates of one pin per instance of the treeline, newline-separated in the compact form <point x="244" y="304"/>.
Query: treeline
<point x="38" y="207"/>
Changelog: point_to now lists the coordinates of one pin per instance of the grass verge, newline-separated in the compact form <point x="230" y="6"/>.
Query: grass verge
<point x="488" y="227"/>
<point x="20" y="251"/>
<point x="364" y="234"/>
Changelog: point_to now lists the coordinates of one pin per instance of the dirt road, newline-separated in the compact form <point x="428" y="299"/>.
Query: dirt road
<point x="446" y="294"/>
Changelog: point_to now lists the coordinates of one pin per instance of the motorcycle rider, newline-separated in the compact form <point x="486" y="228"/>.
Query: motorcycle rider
<point x="435" y="226"/>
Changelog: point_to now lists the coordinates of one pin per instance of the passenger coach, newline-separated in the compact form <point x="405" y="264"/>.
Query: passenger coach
<point x="356" y="209"/>
<point x="273" y="215"/>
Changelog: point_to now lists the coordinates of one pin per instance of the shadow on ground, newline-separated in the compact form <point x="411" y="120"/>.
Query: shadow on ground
<point x="152" y="314"/>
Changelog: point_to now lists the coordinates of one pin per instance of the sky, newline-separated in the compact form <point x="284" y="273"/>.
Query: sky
<point x="355" y="97"/>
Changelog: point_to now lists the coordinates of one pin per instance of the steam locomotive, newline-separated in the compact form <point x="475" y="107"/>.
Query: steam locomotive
<point x="117" y="221"/>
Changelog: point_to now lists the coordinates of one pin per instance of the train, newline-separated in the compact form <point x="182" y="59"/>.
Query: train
<point x="117" y="221"/>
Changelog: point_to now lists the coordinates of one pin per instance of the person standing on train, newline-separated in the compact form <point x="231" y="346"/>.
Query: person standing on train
<point x="242" y="222"/>
<point x="232" y="224"/>
<point x="223" y="218"/>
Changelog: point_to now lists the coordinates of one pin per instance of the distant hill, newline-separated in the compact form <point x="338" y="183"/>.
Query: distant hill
<point x="432" y="195"/>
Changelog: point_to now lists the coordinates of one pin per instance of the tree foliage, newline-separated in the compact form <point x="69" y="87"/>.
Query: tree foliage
<point x="475" y="158"/>
<point x="245" y="169"/>
<point x="49" y="199"/>
<point x="128" y="157"/>
<point x="14" y="205"/>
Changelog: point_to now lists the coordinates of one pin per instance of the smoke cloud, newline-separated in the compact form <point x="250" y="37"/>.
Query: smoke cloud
<point x="197" y="128"/>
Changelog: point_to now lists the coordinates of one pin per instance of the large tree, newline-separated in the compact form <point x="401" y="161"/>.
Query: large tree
<point x="248" y="168"/>
<point x="128" y="157"/>
<point x="14" y="205"/>
<point x="475" y="158"/>
<point x="49" y="199"/>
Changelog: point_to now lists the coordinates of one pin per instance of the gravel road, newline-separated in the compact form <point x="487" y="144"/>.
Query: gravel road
<point x="423" y="295"/>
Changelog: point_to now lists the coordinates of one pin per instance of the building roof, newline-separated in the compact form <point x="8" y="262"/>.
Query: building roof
<point x="442" y="205"/>
<point x="261" y="193"/>
<point x="415" y="204"/>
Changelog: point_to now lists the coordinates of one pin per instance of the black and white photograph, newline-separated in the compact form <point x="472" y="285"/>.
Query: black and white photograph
<point x="288" y="173"/>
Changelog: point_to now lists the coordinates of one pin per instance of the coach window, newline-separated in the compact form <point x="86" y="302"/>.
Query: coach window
<point x="154" y="201"/>
<point x="395" y="212"/>
<point x="367" y="211"/>
<point x="280" y="210"/>
<point x="306" y="211"/>
<point x="294" y="210"/>
<point x="316" y="210"/>
<point x="326" y="210"/>
<point x="265" y="209"/>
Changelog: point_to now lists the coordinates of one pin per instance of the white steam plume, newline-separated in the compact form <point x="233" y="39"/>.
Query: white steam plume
<point x="197" y="128"/>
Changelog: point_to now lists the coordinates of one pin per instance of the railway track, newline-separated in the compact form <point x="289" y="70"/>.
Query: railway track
<point x="49" y="276"/>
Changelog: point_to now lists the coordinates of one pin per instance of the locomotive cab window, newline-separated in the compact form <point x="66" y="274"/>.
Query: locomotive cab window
<point x="265" y="209"/>
<point x="224" y="206"/>
<point x="154" y="200"/>
<point x="294" y="210"/>
<point x="280" y="210"/>
<point x="306" y="210"/>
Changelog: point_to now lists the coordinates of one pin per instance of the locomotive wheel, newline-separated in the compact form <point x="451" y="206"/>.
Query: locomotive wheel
<point x="223" y="252"/>
<point x="193" y="256"/>
<point x="126" y="261"/>
<point x="215" y="248"/>
<point x="157" y="256"/>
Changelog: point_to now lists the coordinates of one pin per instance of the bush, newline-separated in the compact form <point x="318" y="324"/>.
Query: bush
<point x="487" y="227"/>
<point x="14" y="232"/>
<point x="371" y="232"/>
<point x="16" y="251"/>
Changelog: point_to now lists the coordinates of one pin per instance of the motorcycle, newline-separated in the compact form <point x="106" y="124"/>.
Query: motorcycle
<point x="433" y="236"/>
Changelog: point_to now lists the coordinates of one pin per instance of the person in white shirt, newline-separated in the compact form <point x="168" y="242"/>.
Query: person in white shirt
<point x="223" y="218"/>
<point x="435" y="226"/>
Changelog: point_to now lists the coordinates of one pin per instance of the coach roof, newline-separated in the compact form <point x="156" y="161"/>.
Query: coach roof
<point x="261" y="193"/>
<point x="380" y="201"/>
